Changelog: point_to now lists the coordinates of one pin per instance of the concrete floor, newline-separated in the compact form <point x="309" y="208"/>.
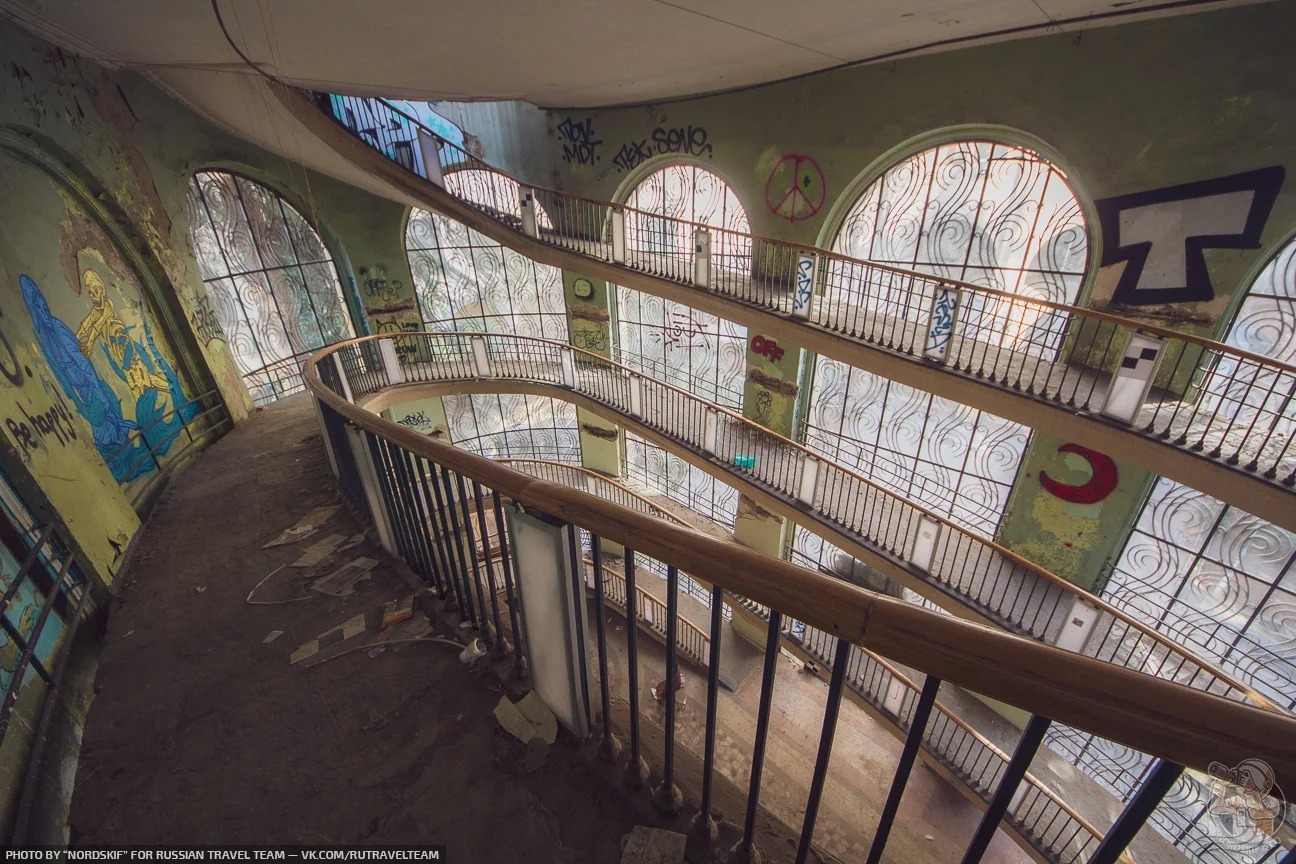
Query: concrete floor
<point x="203" y="733"/>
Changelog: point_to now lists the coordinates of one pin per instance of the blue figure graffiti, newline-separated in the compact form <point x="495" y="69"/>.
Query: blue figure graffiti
<point x="143" y="369"/>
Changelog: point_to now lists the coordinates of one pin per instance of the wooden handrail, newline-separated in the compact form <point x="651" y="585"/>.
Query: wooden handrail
<point x="1155" y="716"/>
<point x="1065" y="585"/>
<point x="882" y="662"/>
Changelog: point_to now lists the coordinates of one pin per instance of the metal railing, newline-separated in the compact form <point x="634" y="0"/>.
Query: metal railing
<point x="427" y="492"/>
<point x="1040" y="815"/>
<point x="1201" y="396"/>
<point x="822" y="495"/>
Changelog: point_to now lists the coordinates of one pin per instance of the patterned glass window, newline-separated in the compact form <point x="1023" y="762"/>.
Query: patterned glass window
<point x="667" y="474"/>
<point x="513" y="425"/>
<point x="957" y="460"/>
<point x="1212" y="576"/>
<point x="271" y="281"/>
<point x="991" y="214"/>
<point x="663" y="473"/>
<point x="667" y="340"/>
<point x="979" y="212"/>
<point x="467" y="282"/>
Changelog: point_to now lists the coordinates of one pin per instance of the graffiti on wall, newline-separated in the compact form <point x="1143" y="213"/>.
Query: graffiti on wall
<point x="580" y="147"/>
<point x="205" y="322"/>
<point x="155" y="397"/>
<point x="683" y="140"/>
<point x="1102" y="481"/>
<point x="680" y="330"/>
<point x="795" y="189"/>
<point x="767" y="348"/>
<point x="1160" y="235"/>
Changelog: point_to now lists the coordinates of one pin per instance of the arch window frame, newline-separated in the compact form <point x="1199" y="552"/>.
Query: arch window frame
<point x="275" y="381"/>
<point x="660" y="246"/>
<point x="1215" y="555"/>
<point x="459" y="240"/>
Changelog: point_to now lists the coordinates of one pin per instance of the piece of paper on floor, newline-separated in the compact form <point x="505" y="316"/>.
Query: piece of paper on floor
<point x="271" y="636"/>
<point x="646" y="845"/>
<point x="342" y="581"/>
<point x="542" y="720"/>
<point x="318" y="551"/>
<point x="329" y="638"/>
<point x="306" y="526"/>
<point x="512" y="720"/>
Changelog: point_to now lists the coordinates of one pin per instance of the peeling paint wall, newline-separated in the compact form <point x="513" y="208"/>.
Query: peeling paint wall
<point x="105" y="326"/>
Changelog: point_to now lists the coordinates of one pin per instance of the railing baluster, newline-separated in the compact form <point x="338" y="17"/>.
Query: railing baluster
<point x="667" y="796"/>
<point x="519" y="664"/>
<point x="913" y="740"/>
<point x="609" y="747"/>
<point x="826" y="735"/>
<point x="1158" y="782"/>
<point x="636" y="770"/>
<point x="742" y="851"/>
<point x="703" y="823"/>
<point x="1027" y="746"/>
<point x="578" y="592"/>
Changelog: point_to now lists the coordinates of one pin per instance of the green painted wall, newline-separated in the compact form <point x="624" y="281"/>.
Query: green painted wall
<point x="1120" y="109"/>
<point x="1074" y="540"/>
<point x="1123" y="109"/>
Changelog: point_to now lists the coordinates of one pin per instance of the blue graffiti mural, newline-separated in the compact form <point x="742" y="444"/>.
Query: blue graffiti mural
<point x="141" y="366"/>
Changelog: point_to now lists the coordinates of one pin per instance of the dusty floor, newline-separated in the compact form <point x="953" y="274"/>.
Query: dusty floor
<point x="201" y="733"/>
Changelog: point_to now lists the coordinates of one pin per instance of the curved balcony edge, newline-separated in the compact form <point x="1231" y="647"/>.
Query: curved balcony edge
<point x="1158" y="717"/>
<point x="1268" y="498"/>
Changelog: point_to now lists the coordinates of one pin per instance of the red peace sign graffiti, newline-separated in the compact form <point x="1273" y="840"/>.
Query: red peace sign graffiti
<point x="795" y="188"/>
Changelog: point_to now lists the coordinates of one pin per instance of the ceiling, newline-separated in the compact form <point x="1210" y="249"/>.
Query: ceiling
<point x="556" y="53"/>
<point x="551" y="53"/>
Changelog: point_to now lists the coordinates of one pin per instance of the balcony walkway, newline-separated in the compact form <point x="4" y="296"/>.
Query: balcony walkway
<point x="1035" y="363"/>
<point x="200" y="733"/>
<point x="961" y="572"/>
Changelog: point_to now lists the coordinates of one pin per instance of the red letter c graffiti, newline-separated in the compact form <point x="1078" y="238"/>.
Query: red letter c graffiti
<point x="1101" y="483"/>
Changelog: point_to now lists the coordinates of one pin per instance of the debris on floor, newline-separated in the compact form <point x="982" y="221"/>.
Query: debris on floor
<point x="398" y="610"/>
<point x="200" y="589"/>
<point x="306" y="526"/>
<point x="537" y="753"/>
<point x="541" y="718"/>
<point x="271" y="636"/>
<point x="329" y="638"/>
<point x="265" y="579"/>
<point x="529" y="719"/>
<point x="318" y="551"/>
<point x="403" y="634"/>
<point x="646" y="845"/>
<point x="472" y="652"/>
<point x="508" y="716"/>
<point x="342" y="581"/>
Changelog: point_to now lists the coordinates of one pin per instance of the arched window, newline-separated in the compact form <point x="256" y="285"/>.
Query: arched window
<point x="983" y="212"/>
<point x="467" y="282"/>
<point x="660" y="472"/>
<point x="1215" y="578"/>
<point x="270" y="279"/>
<point x="668" y="340"/>
<point x="976" y="211"/>
<point x="513" y="425"/>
